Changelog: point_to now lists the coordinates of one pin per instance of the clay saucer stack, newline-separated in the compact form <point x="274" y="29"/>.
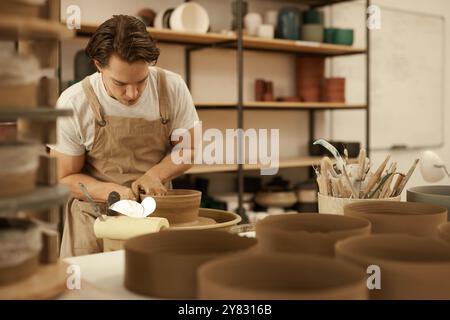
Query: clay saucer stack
<point x="310" y="75"/>
<point x="420" y="219"/>
<point x="280" y="276"/>
<point x="411" y="267"/>
<point x="334" y="90"/>
<point x="307" y="233"/>
<point x="20" y="246"/>
<point x="164" y="264"/>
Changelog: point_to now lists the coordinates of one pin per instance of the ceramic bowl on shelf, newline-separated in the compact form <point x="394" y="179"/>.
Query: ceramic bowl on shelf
<point x="276" y="199"/>
<point x="190" y="17"/>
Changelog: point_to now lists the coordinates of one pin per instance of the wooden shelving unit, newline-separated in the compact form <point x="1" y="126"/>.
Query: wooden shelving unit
<point x="284" y="163"/>
<point x="224" y="41"/>
<point x="24" y="28"/>
<point x="274" y="106"/>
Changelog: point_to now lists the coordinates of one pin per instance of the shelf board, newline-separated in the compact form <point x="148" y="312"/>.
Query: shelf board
<point x="284" y="163"/>
<point x="8" y="114"/>
<point x="272" y="106"/>
<point x="282" y="45"/>
<point x="24" y="28"/>
<point x="254" y="43"/>
<point x="315" y="3"/>
<point x="41" y="198"/>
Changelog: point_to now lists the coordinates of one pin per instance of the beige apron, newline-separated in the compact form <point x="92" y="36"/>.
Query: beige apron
<point x="123" y="150"/>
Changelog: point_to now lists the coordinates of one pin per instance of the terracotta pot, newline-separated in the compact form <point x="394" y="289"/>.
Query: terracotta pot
<point x="164" y="264"/>
<point x="444" y="232"/>
<point x="420" y="219"/>
<point x="333" y="205"/>
<point x="20" y="246"/>
<point x="307" y="233"/>
<point x="438" y="195"/>
<point x="178" y="206"/>
<point x="280" y="276"/>
<point x="411" y="267"/>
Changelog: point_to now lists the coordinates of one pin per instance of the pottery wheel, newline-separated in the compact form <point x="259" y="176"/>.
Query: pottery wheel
<point x="201" y="221"/>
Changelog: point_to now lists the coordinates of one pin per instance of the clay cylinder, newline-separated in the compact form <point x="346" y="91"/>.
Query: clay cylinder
<point x="410" y="267"/>
<point x="307" y="233"/>
<point x="280" y="276"/>
<point x="178" y="206"/>
<point x="444" y="232"/>
<point x="164" y="264"/>
<point x="419" y="219"/>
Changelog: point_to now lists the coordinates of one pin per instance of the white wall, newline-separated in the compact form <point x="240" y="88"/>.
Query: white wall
<point x="214" y="77"/>
<point x="340" y="121"/>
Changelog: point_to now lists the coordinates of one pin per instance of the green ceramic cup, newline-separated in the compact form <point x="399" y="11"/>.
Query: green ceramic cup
<point x="344" y="37"/>
<point x="329" y="35"/>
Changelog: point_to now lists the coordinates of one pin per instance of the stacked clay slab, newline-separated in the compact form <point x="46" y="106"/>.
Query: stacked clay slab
<point x="164" y="264"/>
<point x="307" y="233"/>
<point x="410" y="267"/>
<point x="280" y="276"/>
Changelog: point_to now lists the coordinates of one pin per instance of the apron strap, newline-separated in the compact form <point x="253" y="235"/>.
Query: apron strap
<point x="163" y="96"/>
<point x="95" y="105"/>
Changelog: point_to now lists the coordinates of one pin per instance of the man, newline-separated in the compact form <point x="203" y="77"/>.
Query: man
<point x="119" y="136"/>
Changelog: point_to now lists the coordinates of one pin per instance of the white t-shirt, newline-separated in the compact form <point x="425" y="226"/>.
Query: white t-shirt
<point x="76" y="134"/>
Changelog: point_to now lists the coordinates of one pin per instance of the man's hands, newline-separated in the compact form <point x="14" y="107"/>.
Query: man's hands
<point x="149" y="184"/>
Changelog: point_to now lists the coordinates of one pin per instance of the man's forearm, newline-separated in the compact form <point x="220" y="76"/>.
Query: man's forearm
<point x="167" y="170"/>
<point x="98" y="190"/>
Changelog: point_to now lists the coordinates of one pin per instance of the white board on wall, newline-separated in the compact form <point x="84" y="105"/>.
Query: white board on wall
<point x="407" y="76"/>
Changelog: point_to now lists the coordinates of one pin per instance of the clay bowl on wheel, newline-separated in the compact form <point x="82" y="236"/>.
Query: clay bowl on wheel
<point x="178" y="206"/>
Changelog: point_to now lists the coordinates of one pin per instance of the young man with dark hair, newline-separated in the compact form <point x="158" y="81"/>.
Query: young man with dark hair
<point x="118" y="138"/>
